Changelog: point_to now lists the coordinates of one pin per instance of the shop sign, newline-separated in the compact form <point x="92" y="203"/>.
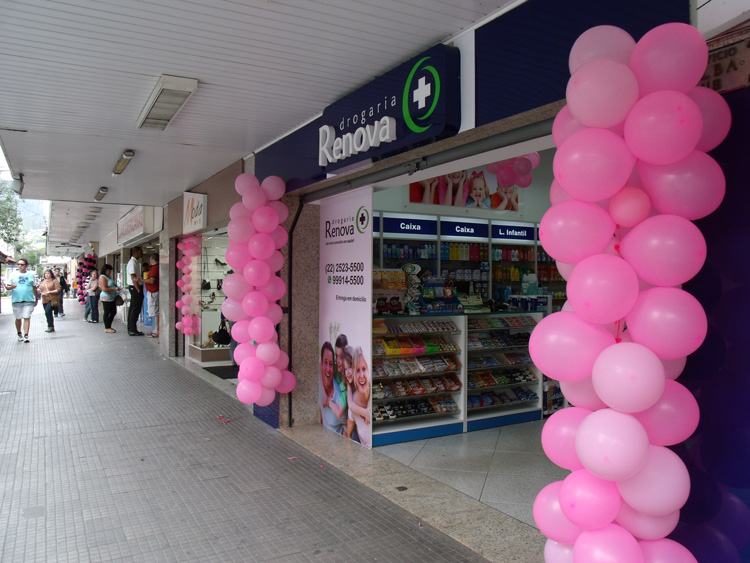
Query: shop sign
<point x="132" y="225"/>
<point x="409" y="226"/>
<point x="415" y="103"/>
<point x="194" y="212"/>
<point x="375" y="224"/>
<point x="513" y="232"/>
<point x="463" y="229"/>
<point x="727" y="68"/>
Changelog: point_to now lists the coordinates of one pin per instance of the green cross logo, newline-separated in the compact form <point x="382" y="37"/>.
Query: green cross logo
<point x="420" y="94"/>
<point x="363" y="219"/>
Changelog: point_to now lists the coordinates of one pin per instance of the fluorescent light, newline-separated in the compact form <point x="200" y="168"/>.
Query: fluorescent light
<point x="95" y="209"/>
<point x="165" y="102"/>
<point x="101" y="193"/>
<point x="17" y="184"/>
<point x="90" y="217"/>
<point x="122" y="164"/>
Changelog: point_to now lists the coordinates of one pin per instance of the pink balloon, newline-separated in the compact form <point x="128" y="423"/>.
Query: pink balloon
<point x="601" y="92"/>
<point x="265" y="219"/>
<point x="669" y="321"/>
<point x="280" y="208"/>
<point x="179" y="304"/>
<point x="280" y="237"/>
<point x="629" y="206"/>
<point x="556" y="552"/>
<point x="672" y="56"/>
<point x="187" y="299"/>
<point x="564" y="126"/>
<point x="232" y="310"/>
<point x="254" y="199"/>
<point x="588" y="501"/>
<point x="256" y="272"/>
<point x="235" y="287"/>
<point x="271" y="377"/>
<point x="601" y="42"/>
<point x="186" y="269"/>
<point x="237" y="255"/>
<point x="505" y="176"/>
<point x="593" y="164"/>
<point x="612" y="445"/>
<point x="666" y="551"/>
<point x="573" y="230"/>
<point x="243" y="350"/>
<point x="673" y="418"/>
<point x="180" y="264"/>
<point x="283" y="362"/>
<point x="644" y="526"/>
<point x="187" y="279"/>
<point x="611" y="544"/>
<point x="268" y="352"/>
<point x="187" y="330"/>
<point x="663" y="127"/>
<point x="178" y="325"/>
<point x="240" y="229"/>
<point x="255" y="304"/>
<point x="534" y="159"/>
<point x="248" y="392"/>
<point x="674" y="368"/>
<point x="239" y="210"/>
<point x="276" y="261"/>
<point x="628" y="377"/>
<point x="274" y="313"/>
<point x="565" y="270"/>
<point x="274" y="186"/>
<point x="288" y="382"/>
<point x="245" y="183"/>
<point x="581" y="394"/>
<point x="564" y="346"/>
<point x="549" y="517"/>
<point x="240" y="333"/>
<point x="717" y="118"/>
<point x="261" y="329"/>
<point x="261" y="246"/>
<point x="274" y="289"/>
<point x="267" y="397"/>
<point x="252" y="368"/>
<point x="692" y="188"/>
<point x="660" y="487"/>
<point x="556" y="193"/>
<point x="602" y="288"/>
<point x="559" y="436"/>
<point x="524" y="181"/>
<point x="665" y="250"/>
<point x="521" y="166"/>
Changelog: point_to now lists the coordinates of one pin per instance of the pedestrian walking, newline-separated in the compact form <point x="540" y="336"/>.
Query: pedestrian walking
<point x="24" y="296"/>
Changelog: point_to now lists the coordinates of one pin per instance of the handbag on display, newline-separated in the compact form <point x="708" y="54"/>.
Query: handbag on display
<point x="219" y="283"/>
<point x="205" y="284"/>
<point x="222" y="336"/>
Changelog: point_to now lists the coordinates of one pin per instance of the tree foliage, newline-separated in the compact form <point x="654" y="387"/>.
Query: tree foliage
<point x="10" y="221"/>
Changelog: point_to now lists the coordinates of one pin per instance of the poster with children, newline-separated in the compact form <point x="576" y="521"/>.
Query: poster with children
<point x="494" y="186"/>
<point x="345" y="331"/>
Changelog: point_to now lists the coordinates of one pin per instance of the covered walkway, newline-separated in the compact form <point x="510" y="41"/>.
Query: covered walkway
<point x="112" y="452"/>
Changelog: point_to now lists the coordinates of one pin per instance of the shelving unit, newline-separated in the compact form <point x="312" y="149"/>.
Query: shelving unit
<point x="417" y="378"/>
<point x="503" y="385"/>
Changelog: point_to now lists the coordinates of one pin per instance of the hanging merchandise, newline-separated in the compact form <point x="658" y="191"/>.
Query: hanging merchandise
<point x="255" y="237"/>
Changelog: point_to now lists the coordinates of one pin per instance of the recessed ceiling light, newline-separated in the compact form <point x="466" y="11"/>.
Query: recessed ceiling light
<point x="165" y="102"/>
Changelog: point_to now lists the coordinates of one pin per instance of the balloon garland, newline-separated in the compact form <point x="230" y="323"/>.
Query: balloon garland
<point x="515" y="171"/>
<point x="82" y="276"/>
<point x="255" y="237"/>
<point x="631" y="174"/>
<point x="188" y="304"/>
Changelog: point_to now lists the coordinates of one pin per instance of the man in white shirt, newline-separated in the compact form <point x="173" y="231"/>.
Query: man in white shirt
<point x="135" y="285"/>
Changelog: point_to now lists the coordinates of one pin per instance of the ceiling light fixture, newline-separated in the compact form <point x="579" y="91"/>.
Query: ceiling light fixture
<point x="18" y="184"/>
<point x="165" y="102"/>
<point x="90" y="217"/>
<point x="122" y="164"/>
<point x="101" y="193"/>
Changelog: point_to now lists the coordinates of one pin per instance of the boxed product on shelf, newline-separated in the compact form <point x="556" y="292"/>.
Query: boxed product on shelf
<point x="379" y="326"/>
<point x="392" y="346"/>
<point x="410" y="366"/>
<point x="418" y="345"/>
<point x="377" y="348"/>
<point x="405" y="344"/>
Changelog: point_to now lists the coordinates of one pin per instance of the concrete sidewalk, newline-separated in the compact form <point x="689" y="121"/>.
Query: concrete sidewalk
<point x="111" y="452"/>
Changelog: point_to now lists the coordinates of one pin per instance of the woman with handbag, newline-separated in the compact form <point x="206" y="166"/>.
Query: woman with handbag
<point x="50" y="290"/>
<point x="109" y="293"/>
<point x="92" y="297"/>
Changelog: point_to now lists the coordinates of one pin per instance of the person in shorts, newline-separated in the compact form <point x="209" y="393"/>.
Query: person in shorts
<point x="24" y="296"/>
<point x="152" y="292"/>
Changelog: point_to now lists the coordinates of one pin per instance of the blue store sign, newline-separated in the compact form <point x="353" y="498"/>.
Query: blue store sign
<point x="415" y="103"/>
<point x="400" y="226"/>
<point x="464" y="229"/>
<point x="512" y="232"/>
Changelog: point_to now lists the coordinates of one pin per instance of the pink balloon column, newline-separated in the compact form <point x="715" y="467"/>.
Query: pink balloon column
<point x="255" y="237"/>
<point x="189" y="284"/>
<point x="82" y="276"/>
<point x="626" y="243"/>
<point x="515" y="171"/>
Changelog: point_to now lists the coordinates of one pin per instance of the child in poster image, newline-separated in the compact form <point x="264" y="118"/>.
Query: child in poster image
<point x="479" y="193"/>
<point x="332" y="414"/>
<point x="361" y="397"/>
<point x="508" y="198"/>
<point x="355" y="410"/>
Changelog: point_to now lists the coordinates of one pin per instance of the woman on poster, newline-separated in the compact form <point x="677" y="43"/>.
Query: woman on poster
<point x="361" y="398"/>
<point x="332" y="414"/>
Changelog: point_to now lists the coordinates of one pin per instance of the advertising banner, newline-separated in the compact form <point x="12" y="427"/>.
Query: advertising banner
<point x="345" y="328"/>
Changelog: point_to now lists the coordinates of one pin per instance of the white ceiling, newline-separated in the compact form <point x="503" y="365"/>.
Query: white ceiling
<point x="76" y="74"/>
